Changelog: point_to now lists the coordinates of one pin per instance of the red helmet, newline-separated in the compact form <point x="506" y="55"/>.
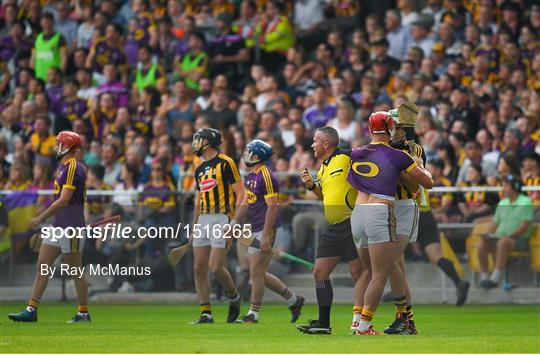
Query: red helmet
<point x="381" y="122"/>
<point x="65" y="141"/>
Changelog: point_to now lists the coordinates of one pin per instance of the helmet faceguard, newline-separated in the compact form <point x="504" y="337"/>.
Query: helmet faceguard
<point x="257" y="152"/>
<point x="65" y="142"/>
<point x="210" y="135"/>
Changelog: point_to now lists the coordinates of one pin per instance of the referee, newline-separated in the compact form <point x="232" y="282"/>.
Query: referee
<point x="336" y="243"/>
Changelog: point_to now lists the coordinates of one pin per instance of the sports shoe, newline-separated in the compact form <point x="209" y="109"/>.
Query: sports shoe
<point x="398" y="326"/>
<point x="410" y="329"/>
<point x="296" y="308"/>
<point x="234" y="310"/>
<point x="462" y="292"/>
<point x="314" y="327"/>
<point x="80" y="318"/>
<point x="24" y="316"/>
<point x="370" y="331"/>
<point x="250" y="318"/>
<point x="487" y="284"/>
<point x="205" y="318"/>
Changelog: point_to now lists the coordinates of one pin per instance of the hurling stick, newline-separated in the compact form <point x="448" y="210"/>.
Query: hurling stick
<point x="35" y="240"/>
<point x="176" y="254"/>
<point x="249" y="242"/>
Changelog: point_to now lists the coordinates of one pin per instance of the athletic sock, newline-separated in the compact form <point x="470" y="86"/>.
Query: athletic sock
<point x="401" y="304"/>
<point x="409" y="313"/>
<point x="325" y="296"/>
<point x="365" y="319"/>
<point x="496" y="276"/>
<point x="357" y="314"/>
<point x="449" y="269"/>
<point x="82" y="310"/>
<point x="233" y="295"/>
<point x="206" y="308"/>
<point x="289" y="296"/>
<point x="33" y="305"/>
<point x="254" y="309"/>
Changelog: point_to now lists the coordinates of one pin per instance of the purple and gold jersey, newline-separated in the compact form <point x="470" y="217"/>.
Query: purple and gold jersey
<point x="72" y="109"/>
<point x="375" y="169"/>
<point x="145" y="22"/>
<point x="260" y="185"/>
<point x="71" y="175"/>
<point x="105" y="53"/>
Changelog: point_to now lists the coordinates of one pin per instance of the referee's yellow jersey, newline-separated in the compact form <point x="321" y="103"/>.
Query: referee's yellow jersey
<point x="338" y="195"/>
<point x="215" y="178"/>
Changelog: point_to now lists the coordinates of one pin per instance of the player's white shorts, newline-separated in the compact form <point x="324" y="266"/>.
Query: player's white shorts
<point x="275" y="234"/>
<point x="67" y="245"/>
<point x="373" y="223"/>
<point x="209" y="231"/>
<point x="407" y="215"/>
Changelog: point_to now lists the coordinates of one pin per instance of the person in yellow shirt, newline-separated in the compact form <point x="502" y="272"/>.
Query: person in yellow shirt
<point x="41" y="141"/>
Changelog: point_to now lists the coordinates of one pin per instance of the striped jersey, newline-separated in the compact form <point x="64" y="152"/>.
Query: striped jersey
<point x="402" y="193"/>
<point x="215" y="178"/>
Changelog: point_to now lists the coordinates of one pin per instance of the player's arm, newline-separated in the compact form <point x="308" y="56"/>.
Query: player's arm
<point x="409" y="183"/>
<point x="241" y="211"/>
<point x="63" y="200"/>
<point x="239" y="192"/>
<point x="270" y="219"/>
<point x="196" y="212"/>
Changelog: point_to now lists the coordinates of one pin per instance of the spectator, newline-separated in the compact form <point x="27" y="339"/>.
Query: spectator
<point x="95" y="204"/>
<point x="420" y="33"/>
<point x="347" y="128"/>
<point x="125" y="197"/>
<point x="447" y="155"/>
<point x="441" y="203"/>
<point x="112" y="167"/>
<point x="530" y="174"/>
<point x="64" y="25"/>
<point x="473" y="154"/>
<point x="218" y="114"/>
<point x="41" y="141"/>
<point x="408" y="15"/>
<point x="71" y="106"/>
<point x="107" y="49"/>
<point x="50" y="49"/>
<point x="19" y="177"/>
<point x="511" y="229"/>
<point x="474" y="205"/>
<point x="87" y="29"/>
<point x="320" y="112"/>
<point x="194" y="65"/>
<point x="112" y="85"/>
<point x="148" y="74"/>
<point x="398" y="36"/>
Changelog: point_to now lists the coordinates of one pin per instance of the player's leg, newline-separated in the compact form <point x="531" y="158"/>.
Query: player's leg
<point x="258" y="263"/>
<point x="355" y="268"/>
<point x="360" y="286"/>
<point x="294" y="301"/>
<point x="400" y="288"/>
<point x="81" y="286"/>
<point x="201" y="258"/>
<point x="218" y="259"/>
<point x="47" y="255"/>
<point x="242" y="271"/>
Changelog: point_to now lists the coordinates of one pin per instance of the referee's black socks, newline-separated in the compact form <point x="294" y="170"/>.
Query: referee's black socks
<point x="449" y="269"/>
<point x="325" y="296"/>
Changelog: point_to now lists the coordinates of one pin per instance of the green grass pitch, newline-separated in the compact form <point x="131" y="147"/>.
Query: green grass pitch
<point x="149" y="328"/>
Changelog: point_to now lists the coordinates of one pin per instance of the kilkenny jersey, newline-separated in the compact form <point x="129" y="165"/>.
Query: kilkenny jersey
<point x="375" y="169"/>
<point x="215" y="178"/>
<point x="261" y="184"/>
<point x="338" y="194"/>
<point x="402" y="193"/>
<point x="71" y="175"/>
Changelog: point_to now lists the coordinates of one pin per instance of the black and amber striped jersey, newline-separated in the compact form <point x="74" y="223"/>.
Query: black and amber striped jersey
<point x="215" y="178"/>
<point x="534" y="195"/>
<point x="402" y="193"/>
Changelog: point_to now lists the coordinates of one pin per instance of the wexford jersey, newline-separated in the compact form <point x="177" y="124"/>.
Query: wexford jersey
<point x="71" y="175"/>
<point x="338" y="194"/>
<point x="375" y="169"/>
<point x="260" y="185"/>
<point x="215" y="178"/>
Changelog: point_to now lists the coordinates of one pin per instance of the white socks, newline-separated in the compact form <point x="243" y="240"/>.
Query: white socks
<point x="292" y="300"/>
<point x="495" y="276"/>
<point x="255" y="314"/>
<point x="364" y="325"/>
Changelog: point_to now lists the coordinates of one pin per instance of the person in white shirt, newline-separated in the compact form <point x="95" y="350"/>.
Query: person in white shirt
<point x="344" y="124"/>
<point x="398" y="36"/>
<point x="408" y="14"/>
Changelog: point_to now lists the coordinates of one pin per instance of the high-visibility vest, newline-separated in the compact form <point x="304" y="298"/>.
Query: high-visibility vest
<point x="189" y="63"/>
<point x="47" y="55"/>
<point x="143" y="81"/>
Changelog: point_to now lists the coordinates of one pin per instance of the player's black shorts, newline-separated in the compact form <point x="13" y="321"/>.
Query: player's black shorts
<point x="337" y="240"/>
<point x="428" y="232"/>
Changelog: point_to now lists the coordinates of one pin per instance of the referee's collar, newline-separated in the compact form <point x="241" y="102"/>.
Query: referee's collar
<point x="334" y="153"/>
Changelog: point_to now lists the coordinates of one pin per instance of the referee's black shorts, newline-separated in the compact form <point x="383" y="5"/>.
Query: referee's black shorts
<point x="428" y="232"/>
<point x="337" y="240"/>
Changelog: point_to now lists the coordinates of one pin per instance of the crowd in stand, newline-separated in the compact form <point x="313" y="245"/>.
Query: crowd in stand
<point x="136" y="78"/>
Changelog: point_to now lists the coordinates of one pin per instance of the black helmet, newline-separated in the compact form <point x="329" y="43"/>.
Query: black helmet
<point x="213" y="136"/>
